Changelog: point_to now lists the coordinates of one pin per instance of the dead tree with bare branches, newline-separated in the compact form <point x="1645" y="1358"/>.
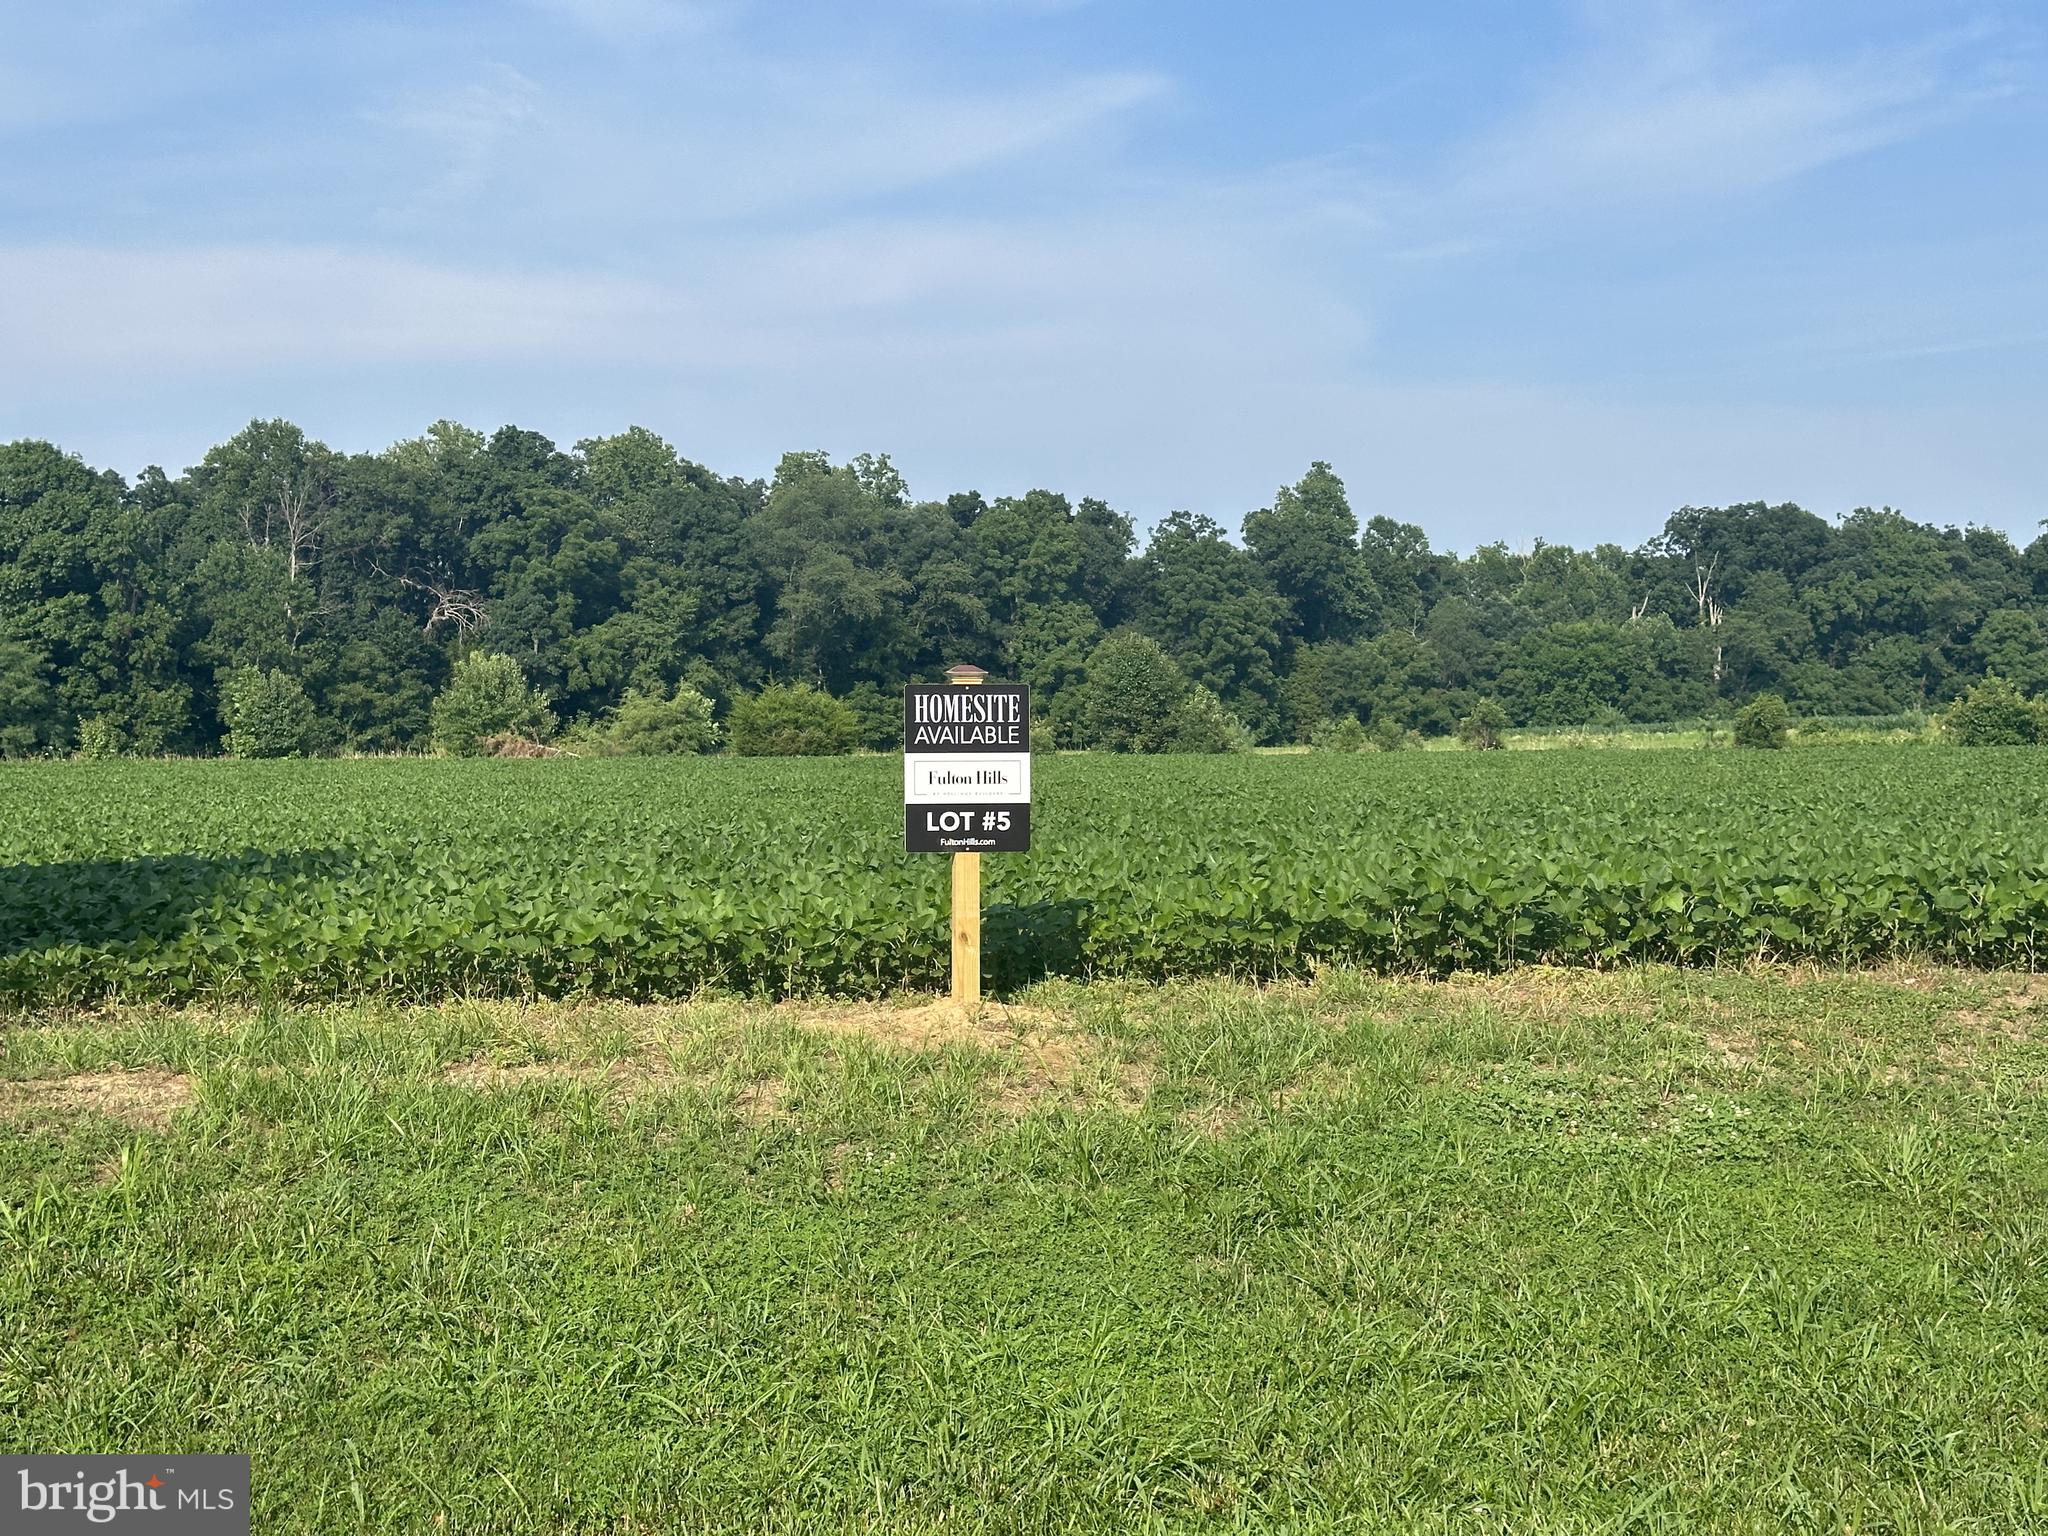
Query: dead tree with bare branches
<point x="468" y="611"/>
<point x="1710" y="610"/>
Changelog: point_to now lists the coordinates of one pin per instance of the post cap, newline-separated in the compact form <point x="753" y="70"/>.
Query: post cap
<point x="966" y="672"/>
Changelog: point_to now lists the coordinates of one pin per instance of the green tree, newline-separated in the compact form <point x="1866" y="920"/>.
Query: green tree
<point x="1032" y="551"/>
<point x="1561" y="585"/>
<point x="1581" y="671"/>
<point x="1887" y="576"/>
<point x="29" y="718"/>
<point x="244" y="600"/>
<point x="1343" y="733"/>
<point x="1387" y="736"/>
<point x="1131" y="695"/>
<point x="267" y="497"/>
<point x="649" y="725"/>
<point x="948" y="616"/>
<point x="690" y="527"/>
<point x="1401" y="572"/>
<point x="1394" y="679"/>
<point x="621" y="568"/>
<point x="378" y="687"/>
<point x="1307" y="545"/>
<point x="266" y="713"/>
<point x="1048" y="647"/>
<point x="1467" y="633"/>
<point x="1200" y="723"/>
<point x="2011" y="643"/>
<point x="793" y="720"/>
<point x="98" y="739"/>
<point x="59" y="531"/>
<point x="1996" y="714"/>
<point x="880" y="715"/>
<point x="1763" y="722"/>
<point x="555" y="573"/>
<point x="1766" y="635"/>
<point x="1482" y="728"/>
<point x="1210" y="606"/>
<point x="841" y="551"/>
<point x="1882" y="674"/>
<point x="488" y="696"/>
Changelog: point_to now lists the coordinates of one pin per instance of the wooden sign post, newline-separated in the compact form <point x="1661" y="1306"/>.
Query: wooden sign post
<point x="967" y="930"/>
<point x="966" y="791"/>
<point x="967" y="894"/>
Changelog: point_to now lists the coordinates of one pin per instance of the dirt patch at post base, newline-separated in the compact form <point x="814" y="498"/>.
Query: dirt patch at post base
<point x="1039" y="1053"/>
<point x="145" y="1099"/>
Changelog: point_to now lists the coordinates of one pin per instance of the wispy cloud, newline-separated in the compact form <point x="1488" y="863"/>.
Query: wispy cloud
<point x="1198" y="279"/>
<point x="1662" y="108"/>
<point x="718" y="131"/>
<point x="866" y="137"/>
<point x="811" y="141"/>
<point x="464" y="128"/>
<point x="139" y="57"/>
<point x="79" y="312"/>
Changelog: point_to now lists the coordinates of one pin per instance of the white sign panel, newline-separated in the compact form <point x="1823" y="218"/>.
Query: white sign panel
<point x="942" y="778"/>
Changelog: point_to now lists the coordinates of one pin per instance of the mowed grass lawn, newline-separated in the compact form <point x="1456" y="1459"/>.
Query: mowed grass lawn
<point x="1551" y="1251"/>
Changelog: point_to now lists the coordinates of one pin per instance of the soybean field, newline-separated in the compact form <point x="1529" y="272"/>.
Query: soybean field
<point x="659" y="878"/>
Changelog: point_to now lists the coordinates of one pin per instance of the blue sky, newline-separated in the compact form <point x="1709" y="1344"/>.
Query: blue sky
<point x="1517" y="270"/>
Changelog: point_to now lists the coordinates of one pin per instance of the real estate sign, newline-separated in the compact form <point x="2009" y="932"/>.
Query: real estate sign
<point x="967" y="768"/>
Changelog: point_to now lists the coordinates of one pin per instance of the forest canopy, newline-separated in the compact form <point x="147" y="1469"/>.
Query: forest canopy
<point x="167" y="614"/>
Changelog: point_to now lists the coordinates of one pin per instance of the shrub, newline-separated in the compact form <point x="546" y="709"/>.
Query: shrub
<point x="1343" y="734"/>
<point x="1996" y="714"/>
<point x="880" y="715"/>
<point x="1200" y="723"/>
<point x="154" y="718"/>
<point x="98" y="739"/>
<point x="487" y="696"/>
<point x="648" y="725"/>
<point x="267" y="714"/>
<point x="1130" y="695"/>
<point x="793" y="720"/>
<point x="1763" y="723"/>
<point x="1389" y="735"/>
<point x="1481" y="730"/>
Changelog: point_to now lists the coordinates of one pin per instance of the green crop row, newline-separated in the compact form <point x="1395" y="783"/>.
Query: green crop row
<point x="656" y="878"/>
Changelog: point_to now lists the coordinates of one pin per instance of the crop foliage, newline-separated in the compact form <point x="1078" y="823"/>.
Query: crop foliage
<point x="644" y="877"/>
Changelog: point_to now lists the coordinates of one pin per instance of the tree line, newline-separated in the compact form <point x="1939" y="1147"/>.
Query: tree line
<point x="349" y="591"/>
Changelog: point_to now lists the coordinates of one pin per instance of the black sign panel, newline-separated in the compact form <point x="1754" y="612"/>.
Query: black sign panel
<point x="946" y="718"/>
<point x="967" y="828"/>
